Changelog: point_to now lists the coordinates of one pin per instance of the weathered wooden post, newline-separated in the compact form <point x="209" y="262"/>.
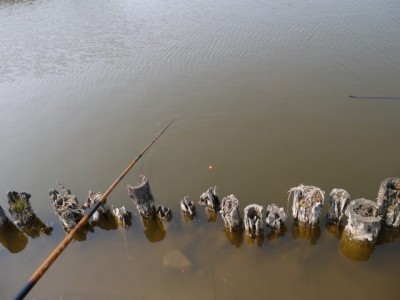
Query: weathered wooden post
<point x="363" y="222"/>
<point x="3" y="218"/>
<point x="163" y="213"/>
<point x="339" y="199"/>
<point x="143" y="198"/>
<point x="307" y="204"/>
<point x="275" y="217"/>
<point x="389" y="202"/>
<point x="253" y="220"/>
<point x="102" y="211"/>
<point x="188" y="208"/>
<point x="230" y="213"/>
<point x="121" y="215"/>
<point x="66" y="207"/>
<point x="21" y="209"/>
<point x="210" y="199"/>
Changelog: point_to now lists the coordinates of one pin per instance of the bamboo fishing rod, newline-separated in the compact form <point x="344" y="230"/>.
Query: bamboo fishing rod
<point x="65" y="242"/>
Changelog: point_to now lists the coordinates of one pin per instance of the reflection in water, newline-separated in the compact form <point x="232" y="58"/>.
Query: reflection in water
<point x="273" y="235"/>
<point x="154" y="230"/>
<point x="13" y="239"/>
<point x="107" y="223"/>
<point x="388" y="236"/>
<point x="37" y="228"/>
<point x="258" y="240"/>
<point x="312" y="233"/>
<point x="212" y="215"/>
<point x="335" y="229"/>
<point x="355" y="250"/>
<point x="235" y="237"/>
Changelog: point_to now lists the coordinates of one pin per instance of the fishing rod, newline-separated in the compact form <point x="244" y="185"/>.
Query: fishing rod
<point x="65" y="242"/>
<point x="374" y="97"/>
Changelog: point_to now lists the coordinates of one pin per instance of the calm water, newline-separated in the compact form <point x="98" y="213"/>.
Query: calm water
<point x="262" y="91"/>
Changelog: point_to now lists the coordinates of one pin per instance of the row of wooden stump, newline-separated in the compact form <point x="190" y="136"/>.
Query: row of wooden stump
<point x="362" y="218"/>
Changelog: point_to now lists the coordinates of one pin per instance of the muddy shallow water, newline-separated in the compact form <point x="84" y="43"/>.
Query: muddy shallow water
<point x="262" y="91"/>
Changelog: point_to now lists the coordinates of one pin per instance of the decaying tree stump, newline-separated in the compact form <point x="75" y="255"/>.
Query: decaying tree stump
<point x="188" y="208"/>
<point x="66" y="207"/>
<point x="230" y="213"/>
<point x="389" y="202"/>
<point x="307" y="204"/>
<point x="121" y="215"/>
<point x="364" y="222"/>
<point x="143" y="198"/>
<point x="3" y="218"/>
<point x="210" y="199"/>
<point x="21" y="209"/>
<point x="163" y="213"/>
<point x="275" y="217"/>
<point x="339" y="199"/>
<point x="253" y="215"/>
<point x="102" y="211"/>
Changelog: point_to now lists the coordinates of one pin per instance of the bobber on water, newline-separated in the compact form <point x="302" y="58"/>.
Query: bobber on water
<point x="230" y="213"/>
<point x="307" y="204"/>
<point x="363" y="221"/>
<point x="253" y="220"/>
<point x="339" y="199"/>
<point x="389" y="202"/>
<point x="143" y="198"/>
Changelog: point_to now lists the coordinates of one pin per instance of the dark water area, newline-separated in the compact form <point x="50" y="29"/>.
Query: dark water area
<point x="262" y="90"/>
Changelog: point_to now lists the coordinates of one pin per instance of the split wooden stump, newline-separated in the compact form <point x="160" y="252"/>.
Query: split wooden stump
<point x="339" y="199"/>
<point x="389" y="202"/>
<point x="253" y="220"/>
<point x="143" y="198"/>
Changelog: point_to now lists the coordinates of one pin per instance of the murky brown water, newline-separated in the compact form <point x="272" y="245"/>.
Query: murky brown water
<point x="262" y="91"/>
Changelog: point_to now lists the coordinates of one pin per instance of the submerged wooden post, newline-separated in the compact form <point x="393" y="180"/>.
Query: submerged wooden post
<point x="389" y="202"/>
<point x="3" y="218"/>
<point x="210" y="199"/>
<point x="230" y="213"/>
<point x="339" y="199"/>
<point x="143" y="198"/>
<point x="307" y="204"/>
<point x="21" y="209"/>
<point x="253" y="215"/>
<point x="363" y="223"/>
<point x="275" y="217"/>
<point x="66" y="207"/>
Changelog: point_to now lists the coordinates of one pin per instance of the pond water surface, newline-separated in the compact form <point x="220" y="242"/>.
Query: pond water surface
<point x="262" y="91"/>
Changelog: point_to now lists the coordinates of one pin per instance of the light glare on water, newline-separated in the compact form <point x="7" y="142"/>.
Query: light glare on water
<point x="262" y="91"/>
